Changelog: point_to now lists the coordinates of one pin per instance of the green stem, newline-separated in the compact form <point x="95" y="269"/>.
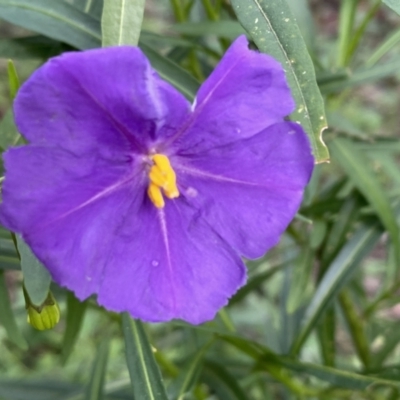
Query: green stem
<point x="346" y="25"/>
<point x="360" y="31"/>
<point x="226" y="320"/>
<point x="293" y="385"/>
<point x="356" y="328"/>
<point x="178" y="10"/>
<point x="326" y="336"/>
<point x="383" y="296"/>
<point x="211" y="13"/>
<point x="166" y="364"/>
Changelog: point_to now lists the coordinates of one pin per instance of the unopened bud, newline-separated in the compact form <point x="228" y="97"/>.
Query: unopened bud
<point x="45" y="316"/>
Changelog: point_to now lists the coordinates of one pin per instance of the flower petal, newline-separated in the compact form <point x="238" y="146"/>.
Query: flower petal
<point x="110" y="96"/>
<point x="250" y="190"/>
<point x="97" y="232"/>
<point x="171" y="264"/>
<point x="45" y="184"/>
<point x="246" y="93"/>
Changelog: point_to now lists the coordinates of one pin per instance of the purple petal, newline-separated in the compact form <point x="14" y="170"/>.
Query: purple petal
<point x="171" y="264"/>
<point x="250" y="190"/>
<point x="106" y="96"/>
<point x="246" y="93"/>
<point x="44" y="184"/>
<point x="93" y="226"/>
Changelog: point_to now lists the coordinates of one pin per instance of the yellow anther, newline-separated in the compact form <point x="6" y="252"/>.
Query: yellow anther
<point x="154" y="192"/>
<point x="162" y="176"/>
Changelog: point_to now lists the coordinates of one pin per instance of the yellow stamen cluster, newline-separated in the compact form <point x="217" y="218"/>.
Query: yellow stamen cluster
<point x="161" y="176"/>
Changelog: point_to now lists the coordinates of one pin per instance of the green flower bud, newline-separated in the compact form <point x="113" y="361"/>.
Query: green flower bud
<point x="45" y="316"/>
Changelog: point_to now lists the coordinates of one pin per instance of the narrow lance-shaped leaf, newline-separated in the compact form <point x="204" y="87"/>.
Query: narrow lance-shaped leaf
<point x="31" y="47"/>
<point x="94" y="390"/>
<point x="121" y="22"/>
<point x="9" y="135"/>
<point x="222" y="382"/>
<point x="7" y="317"/>
<point x="13" y="80"/>
<point x="92" y="7"/>
<point x="335" y="278"/>
<point x="143" y="369"/>
<point x="357" y="168"/>
<point x="75" y="313"/>
<point x="274" y="30"/>
<point x="36" y="277"/>
<point x="265" y="358"/>
<point x="55" y="19"/>
<point x="189" y="375"/>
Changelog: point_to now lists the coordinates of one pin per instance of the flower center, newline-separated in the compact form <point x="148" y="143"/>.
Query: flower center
<point x="161" y="176"/>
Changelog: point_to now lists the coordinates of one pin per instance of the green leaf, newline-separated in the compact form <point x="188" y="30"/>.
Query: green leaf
<point x="121" y="22"/>
<point x="7" y="317"/>
<point x="13" y="80"/>
<point x="384" y="47"/>
<point x="190" y="374"/>
<point x="356" y="327"/>
<point x="39" y="390"/>
<point x="300" y="277"/>
<point x="391" y="339"/>
<point x="94" y="390"/>
<point x="143" y="369"/>
<point x="346" y="27"/>
<point x="326" y="330"/>
<point x="75" y="313"/>
<point x="225" y="28"/>
<point x="36" y="277"/>
<point x="55" y="19"/>
<point x="363" y="76"/>
<point x="305" y="21"/>
<point x="272" y="27"/>
<point x="222" y="382"/>
<point x="265" y="358"/>
<point x="9" y="136"/>
<point x="393" y="4"/>
<point x="31" y="47"/>
<point x="336" y="277"/>
<point x="92" y="7"/>
<point x="336" y="377"/>
<point x="357" y="168"/>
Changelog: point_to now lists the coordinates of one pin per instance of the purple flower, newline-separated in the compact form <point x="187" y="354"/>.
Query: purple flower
<point x="129" y="192"/>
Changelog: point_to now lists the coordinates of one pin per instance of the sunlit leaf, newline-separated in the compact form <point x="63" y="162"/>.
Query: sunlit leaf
<point x="121" y="22"/>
